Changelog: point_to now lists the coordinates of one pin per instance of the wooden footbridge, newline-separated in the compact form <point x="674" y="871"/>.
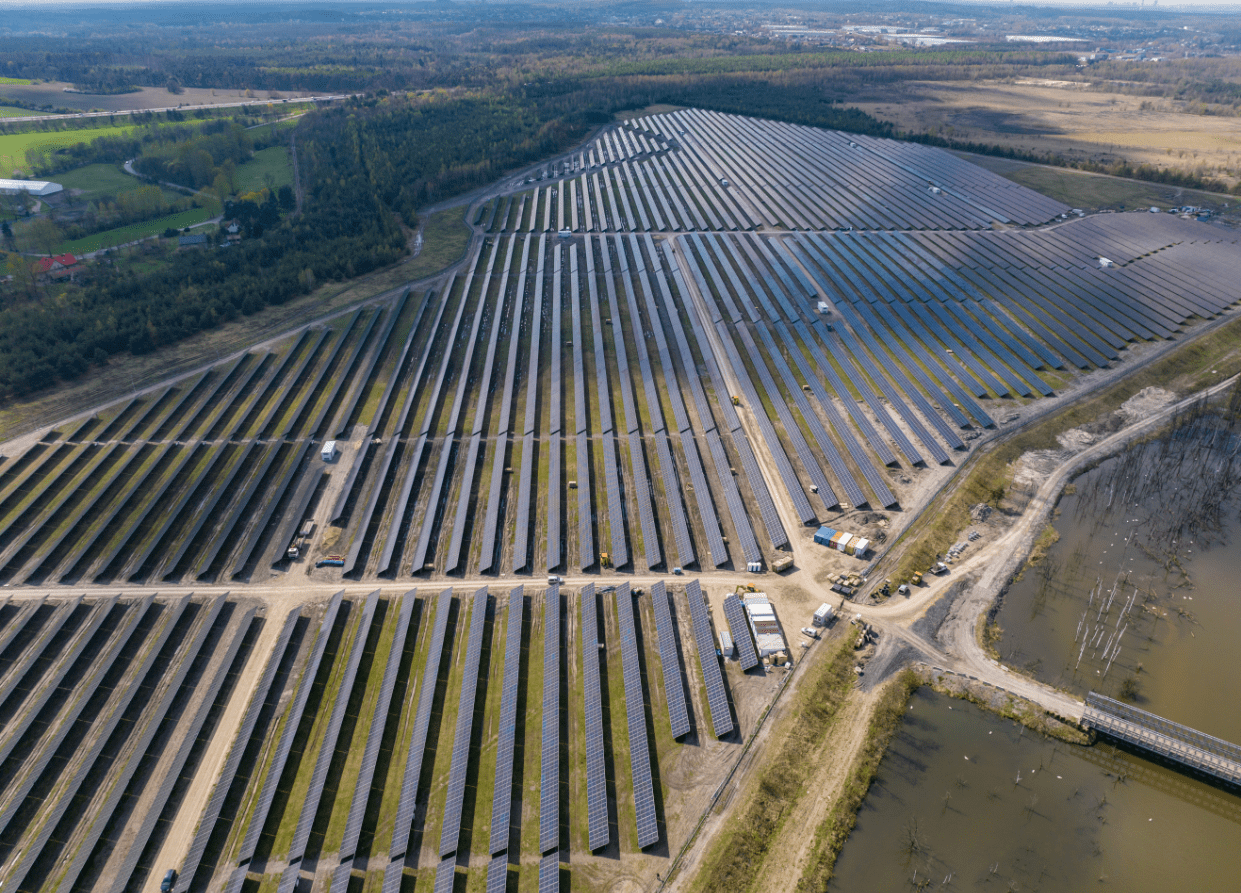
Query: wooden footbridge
<point x="1172" y="741"/>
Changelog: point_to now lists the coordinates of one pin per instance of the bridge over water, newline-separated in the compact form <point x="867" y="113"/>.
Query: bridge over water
<point x="1172" y="741"/>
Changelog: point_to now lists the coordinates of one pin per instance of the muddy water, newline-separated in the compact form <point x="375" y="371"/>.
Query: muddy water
<point x="1147" y="575"/>
<point x="966" y="797"/>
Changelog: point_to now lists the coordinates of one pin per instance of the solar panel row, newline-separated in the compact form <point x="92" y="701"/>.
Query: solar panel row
<point x="407" y="804"/>
<point x="635" y="720"/>
<point x="596" y="775"/>
<point x="502" y="798"/>
<point x="708" y="660"/>
<point x="549" y="780"/>
<point x="734" y="613"/>
<point x="674" y="689"/>
<point x="455" y="795"/>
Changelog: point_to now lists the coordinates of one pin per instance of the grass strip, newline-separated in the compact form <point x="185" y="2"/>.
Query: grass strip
<point x="737" y="856"/>
<point x="832" y="833"/>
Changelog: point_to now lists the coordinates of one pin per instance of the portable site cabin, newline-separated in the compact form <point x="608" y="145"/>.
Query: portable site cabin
<point x="841" y="540"/>
<point x="861" y="546"/>
<point x="726" y="643"/>
<point x="823" y="616"/>
<point x="763" y="624"/>
<point x="823" y="536"/>
<point x="823" y="308"/>
<point x="329" y="451"/>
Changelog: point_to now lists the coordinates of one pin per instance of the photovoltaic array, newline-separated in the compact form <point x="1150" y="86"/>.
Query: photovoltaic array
<point x="734" y="613"/>
<point x="635" y="718"/>
<point x="712" y="676"/>
<point x="455" y="795"/>
<point x="596" y="769"/>
<point x="549" y="779"/>
<point x="674" y="690"/>
<point x="502" y="802"/>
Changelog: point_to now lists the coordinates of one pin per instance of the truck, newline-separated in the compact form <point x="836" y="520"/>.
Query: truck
<point x="554" y="580"/>
<point x="329" y="451"/>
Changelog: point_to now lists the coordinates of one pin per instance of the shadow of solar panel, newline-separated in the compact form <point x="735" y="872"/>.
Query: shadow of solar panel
<point x="734" y="613"/>
<point x="674" y="691"/>
<point x="502" y="799"/>
<point x="549" y="780"/>
<point x="712" y="677"/>
<point x="635" y="720"/>
<point x="596" y="774"/>
<point x="454" y="799"/>
<point x="549" y="873"/>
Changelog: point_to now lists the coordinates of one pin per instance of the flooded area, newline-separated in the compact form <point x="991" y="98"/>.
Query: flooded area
<point x="1139" y="598"/>
<point x="967" y="800"/>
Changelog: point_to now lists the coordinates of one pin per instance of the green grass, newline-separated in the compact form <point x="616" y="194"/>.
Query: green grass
<point x="12" y="111"/>
<point x="274" y="163"/>
<point x="533" y="744"/>
<point x="132" y="233"/>
<point x="13" y="146"/>
<point x="444" y="240"/>
<point x="98" y="180"/>
<point x="15" y="82"/>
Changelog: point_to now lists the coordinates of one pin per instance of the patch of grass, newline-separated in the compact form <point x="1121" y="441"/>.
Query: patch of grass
<point x="14" y="82"/>
<point x="737" y="856"/>
<point x="135" y="231"/>
<point x="1079" y="189"/>
<point x="13" y="146"/>
<point x="270" y="167"/>
<point x="444" y="240"/>
<point x="1048" y="538"/>
<point x="835" y="829"/>
<point x="97" y="180"/>
<point x="12" y="111"/>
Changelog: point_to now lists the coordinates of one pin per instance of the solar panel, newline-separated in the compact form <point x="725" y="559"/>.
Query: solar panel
<point x="549" y="873"/>
<point x="734" y="613"/>
<point x="445" y="874"/>
<point x="549" y="783"/>
<point x="258" y="816"/>
<point x="497" y="874"/>
<point x="712" y="677"/>
<point x="340" y="877"/>
<point x="455" y="795"/>
<point x="404" y="606"/>
<point x="596" y="769"/>
<point x="502" y="798"/>
<point x="206" y="824"/>
<point x="674" y="690"/>
<point x="327" y="741"/>
<point x="635" y="718"/>
<point x="418" y="740"/>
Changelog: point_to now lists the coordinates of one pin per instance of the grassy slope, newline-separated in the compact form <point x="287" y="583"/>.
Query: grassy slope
<point x="274" y="161"/>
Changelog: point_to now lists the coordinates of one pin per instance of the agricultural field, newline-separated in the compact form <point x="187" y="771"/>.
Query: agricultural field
<point x="13" y="146"/>
<point x="269" y="167"/>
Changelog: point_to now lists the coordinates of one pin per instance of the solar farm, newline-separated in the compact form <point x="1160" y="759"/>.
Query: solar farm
<point x="681" y="348"/>
<point x="395" y="740"/>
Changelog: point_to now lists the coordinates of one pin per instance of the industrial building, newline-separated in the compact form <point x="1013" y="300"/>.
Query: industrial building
<point x="36" y="188"/>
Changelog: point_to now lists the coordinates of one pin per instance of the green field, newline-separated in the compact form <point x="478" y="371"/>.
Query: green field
<point x="444" y="240"/>
<point x="13" y="146"/>
<point x="252" y="176"/>
<point x="12" y="111"/>
<point x="98" y="180"/>
<point x="136" y="231"/>
<point x="7" y="82"/>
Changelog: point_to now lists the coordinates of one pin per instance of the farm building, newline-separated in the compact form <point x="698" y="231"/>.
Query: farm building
<point x="34" y="187"/>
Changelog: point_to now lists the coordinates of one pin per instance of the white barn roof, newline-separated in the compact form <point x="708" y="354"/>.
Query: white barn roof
<point x="34" y="187"/>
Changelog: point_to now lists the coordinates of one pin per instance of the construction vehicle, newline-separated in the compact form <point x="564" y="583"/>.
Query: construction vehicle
<point x="916" y="579"/>
<point x="736" y="400"/>
<point x="605" y="560"/>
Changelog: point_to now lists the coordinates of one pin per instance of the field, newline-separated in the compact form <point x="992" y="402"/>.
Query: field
<point x="53" y="94"/>
<point x="12" y="111"/>
<point x="13" y="146"/>
<point x="270" y="165"/>
<point x="93" y="181"/>
<point x="133" y="232"/>
<point x="444" y="240"/>
<point x="1095" y="192"/>
<point x="1071" y="119"/>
